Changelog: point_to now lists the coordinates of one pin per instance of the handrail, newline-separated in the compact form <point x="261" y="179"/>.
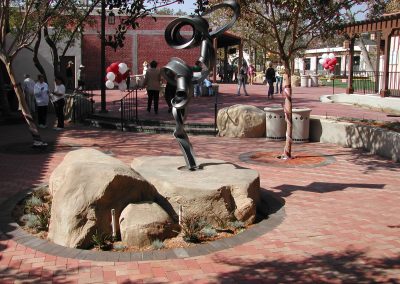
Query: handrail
<point x="126" y="108"/>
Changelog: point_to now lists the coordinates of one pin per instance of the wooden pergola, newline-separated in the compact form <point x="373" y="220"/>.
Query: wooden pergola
<point x="385" y="28"/>
<point x="225" y="41"/>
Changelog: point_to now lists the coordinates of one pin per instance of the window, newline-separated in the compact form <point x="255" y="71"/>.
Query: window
<point x="307" y="63"/>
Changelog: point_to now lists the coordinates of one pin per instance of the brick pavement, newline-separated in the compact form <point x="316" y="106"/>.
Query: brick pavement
<point x="341" y="226"/>
<point x="202" y="108"/>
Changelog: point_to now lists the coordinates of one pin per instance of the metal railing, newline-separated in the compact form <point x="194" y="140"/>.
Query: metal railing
<point x="129" y="108"/>
<point x="79" y="105"/>
<point x="367" y="82"/>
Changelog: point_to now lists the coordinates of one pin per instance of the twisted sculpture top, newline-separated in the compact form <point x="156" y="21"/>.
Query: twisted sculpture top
<point x="183" y="76"/>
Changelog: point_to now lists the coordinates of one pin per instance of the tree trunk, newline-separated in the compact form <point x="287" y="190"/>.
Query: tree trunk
<point x="23" y="105"/>
<point x="3" y="99"/>
<point x="365" y="54"/>
<point x="36" y="61"/>
<point x="54" y="51"/>
<point x="287" y="152"/>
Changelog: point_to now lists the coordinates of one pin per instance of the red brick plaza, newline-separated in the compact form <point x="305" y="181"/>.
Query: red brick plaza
<point x="339" y="223"/>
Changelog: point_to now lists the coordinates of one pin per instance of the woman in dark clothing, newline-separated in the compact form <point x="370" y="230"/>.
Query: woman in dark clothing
<point x="271" y="78"/>
<point x="170" y="91"/>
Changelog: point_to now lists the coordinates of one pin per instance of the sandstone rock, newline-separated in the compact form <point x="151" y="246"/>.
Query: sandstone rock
<point x="143" y="223"/>
<point x="85" y="187"/>
<point x="241" y="121"/>
<point x="220" y="191"/>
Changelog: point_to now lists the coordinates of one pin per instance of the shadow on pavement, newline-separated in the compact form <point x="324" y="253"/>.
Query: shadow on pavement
<point x="350" y="266"/>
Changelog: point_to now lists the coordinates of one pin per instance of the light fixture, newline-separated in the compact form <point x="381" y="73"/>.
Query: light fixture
<point x="111" y="18"/>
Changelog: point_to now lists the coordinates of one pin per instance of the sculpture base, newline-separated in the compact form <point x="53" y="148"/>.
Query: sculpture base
<point x="219" y="191"/>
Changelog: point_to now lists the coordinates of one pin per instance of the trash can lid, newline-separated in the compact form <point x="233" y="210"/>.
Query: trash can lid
<point x="273" y="108"/>
<point x="301" y="109"/>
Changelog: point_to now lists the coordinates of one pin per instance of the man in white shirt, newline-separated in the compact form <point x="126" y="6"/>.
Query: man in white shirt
<point x="280" y="70"/>
<point x="41" y="92"/>
<point x="28" y="87"/>
<point x="58" y="99"/>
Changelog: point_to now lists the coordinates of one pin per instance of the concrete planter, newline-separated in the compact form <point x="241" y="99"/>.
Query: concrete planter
<point x="375" y="140"/>
<point x="275" y="123"/>
<point x="304" y="80"/>
<point x="301" y="124"/>
<point x="314" y="80"/>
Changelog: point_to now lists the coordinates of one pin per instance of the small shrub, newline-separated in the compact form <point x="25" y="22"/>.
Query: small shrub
<point x="157" y="244"/>
<point x="41" y="192"/>
<point x="101" y="240"/>
<point x="31" y="221"/>
<point x="209" y="232"/>
<point x="34" y="201"/>
<point x="237" y="225"/>
<point x="119" y="247"/>
<point x="191" y="228"/>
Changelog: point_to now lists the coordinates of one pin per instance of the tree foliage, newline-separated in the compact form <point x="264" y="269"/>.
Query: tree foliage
<point x="290" y="27"/>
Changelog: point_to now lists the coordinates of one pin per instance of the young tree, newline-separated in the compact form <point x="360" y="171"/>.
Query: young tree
<point x="292" y="26"/>
<point x="20" y="22"/>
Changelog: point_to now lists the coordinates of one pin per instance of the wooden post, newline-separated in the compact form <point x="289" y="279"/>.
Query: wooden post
<point x="240" y="55"/>
<point x="378" y="55"/>
<point x="350" y="89"/>
<point x="225" y="63"/>
<point x="386" y="58"/>
<point x="215" y="45"/>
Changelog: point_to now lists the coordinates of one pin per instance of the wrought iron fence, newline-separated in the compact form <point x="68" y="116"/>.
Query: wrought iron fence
<point x="79" y="105"/>
<point x="368" y="82"/>
<point x="129" y="108"/>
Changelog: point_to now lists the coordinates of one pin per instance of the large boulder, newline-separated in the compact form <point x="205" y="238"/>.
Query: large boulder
<point x="219" y="191"/>
<point x="241" y="121"/>
<point x="145" y="222"/>
<point x="85" y="187"/>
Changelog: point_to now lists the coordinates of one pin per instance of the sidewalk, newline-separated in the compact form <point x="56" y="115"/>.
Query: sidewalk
<point x="342" y="221"/>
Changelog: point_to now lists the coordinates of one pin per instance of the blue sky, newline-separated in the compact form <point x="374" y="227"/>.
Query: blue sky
<point x="188" y="6"/>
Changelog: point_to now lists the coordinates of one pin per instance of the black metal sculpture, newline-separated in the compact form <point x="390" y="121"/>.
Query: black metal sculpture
<point x="178" y="73"/>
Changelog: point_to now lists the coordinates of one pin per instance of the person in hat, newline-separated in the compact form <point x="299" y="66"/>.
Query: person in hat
<point x="69" y="72"/>
<point x="81" y="77"/>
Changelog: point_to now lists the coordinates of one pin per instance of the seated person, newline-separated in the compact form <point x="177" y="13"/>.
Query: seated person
<point x="207" y="83"/>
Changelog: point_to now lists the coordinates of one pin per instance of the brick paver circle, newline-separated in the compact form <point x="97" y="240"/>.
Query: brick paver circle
<point x="10" y="227"/>
<point x="301" y="159"/>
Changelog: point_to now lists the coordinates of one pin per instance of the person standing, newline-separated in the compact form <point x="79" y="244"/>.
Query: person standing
<point x="271" y="78"/>
<point x="152" y="82"/>
<point x="41" y="92"/>
<point x="280" y="70"/>
<point x="28" y="87"/>
<point x="196" y="69"/>
<point x="170" y="91"/>
<point x="69" y="72"/>
<point x="250" y="73"/>
<point x="81" y="77"/>
<point x="242" y="80"/>
<point x="58" y="99"/>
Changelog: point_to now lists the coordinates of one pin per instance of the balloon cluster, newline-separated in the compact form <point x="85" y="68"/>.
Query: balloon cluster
<point x="116" y="76"/>
<point x="328" y="61"/>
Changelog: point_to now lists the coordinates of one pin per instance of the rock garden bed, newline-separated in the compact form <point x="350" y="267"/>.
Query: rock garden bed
<point x="96" y="202"/>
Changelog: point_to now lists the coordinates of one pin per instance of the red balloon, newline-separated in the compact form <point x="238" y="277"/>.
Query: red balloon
<point x="333" y="61"/>
<point x="125" y="75"/>
<point x="328" y="61"/>
<point x="108" y="69"/>
<point x="118" y="77"/>
<point x="114" y="67"/>
<point x="326" y="66"/>
<point x="331" y="68"/>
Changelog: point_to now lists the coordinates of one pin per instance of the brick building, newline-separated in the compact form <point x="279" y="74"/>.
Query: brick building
<point x="146" y="43"/>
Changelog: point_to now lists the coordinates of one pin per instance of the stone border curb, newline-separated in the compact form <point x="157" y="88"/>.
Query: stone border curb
<point x="12" y="230"/>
